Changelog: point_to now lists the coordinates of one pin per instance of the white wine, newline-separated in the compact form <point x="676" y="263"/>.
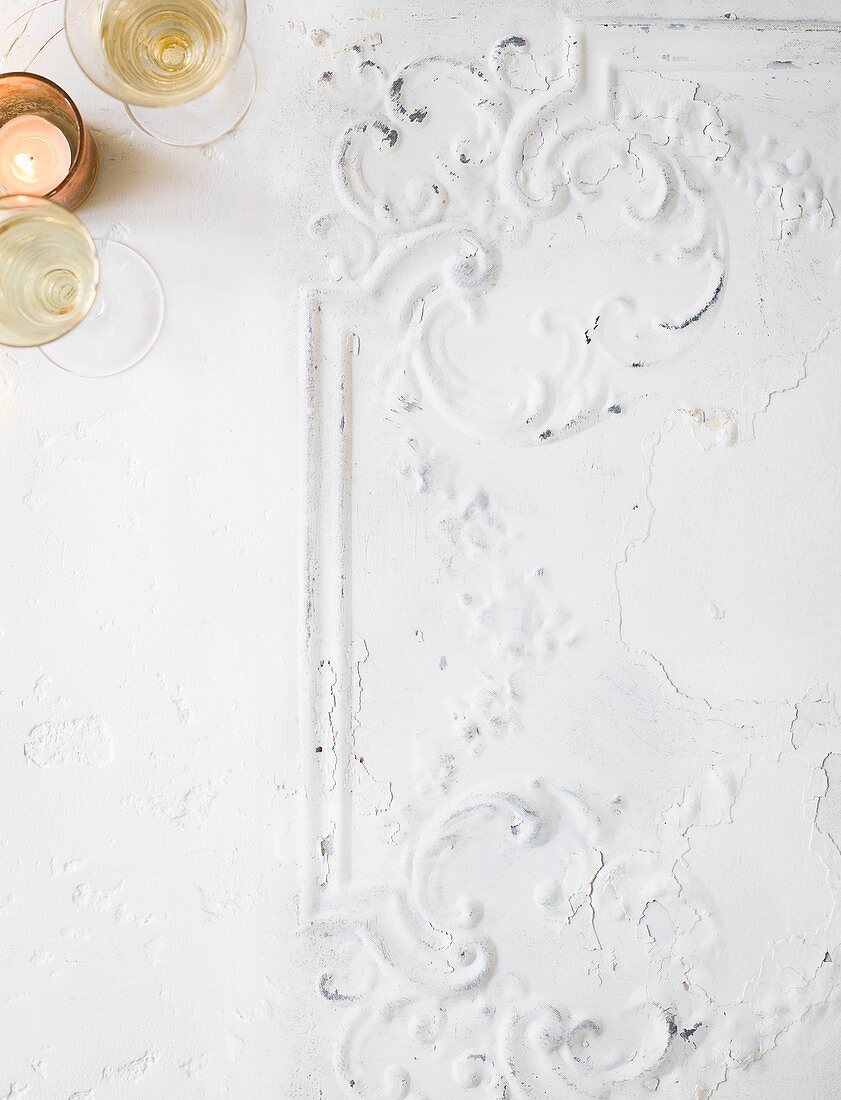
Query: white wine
<point x="166" y="52"/>
<point x="48" y="271"/>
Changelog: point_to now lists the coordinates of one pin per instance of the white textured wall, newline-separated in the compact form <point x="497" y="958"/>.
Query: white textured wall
<point x="562" y="820"/>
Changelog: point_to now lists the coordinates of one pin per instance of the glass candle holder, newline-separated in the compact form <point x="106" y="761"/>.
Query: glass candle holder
<point x="22" y="96"/>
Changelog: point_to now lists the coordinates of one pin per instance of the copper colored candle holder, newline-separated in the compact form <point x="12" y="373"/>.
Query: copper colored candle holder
<point x="24" y="93"/>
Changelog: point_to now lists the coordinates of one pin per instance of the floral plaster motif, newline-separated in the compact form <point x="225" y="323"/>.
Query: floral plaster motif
<point x="514" y="618"/>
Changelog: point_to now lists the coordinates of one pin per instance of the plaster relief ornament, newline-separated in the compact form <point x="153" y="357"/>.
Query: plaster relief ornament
<point x="525" y="241"/>
<point x="542" y="246"/>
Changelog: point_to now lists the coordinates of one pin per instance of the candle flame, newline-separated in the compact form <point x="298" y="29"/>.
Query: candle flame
<point x="25" y="167"/>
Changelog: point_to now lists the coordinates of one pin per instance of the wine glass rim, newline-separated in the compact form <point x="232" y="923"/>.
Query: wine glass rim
<point x="69" y="37"/>
<point x="80" y="125"/>
<point x="109" y="89"/>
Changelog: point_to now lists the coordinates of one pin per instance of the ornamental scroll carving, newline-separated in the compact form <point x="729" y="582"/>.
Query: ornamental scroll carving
<point x="466" y="175"/>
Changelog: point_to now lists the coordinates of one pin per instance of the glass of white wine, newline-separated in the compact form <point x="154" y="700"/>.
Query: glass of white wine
<point x="180" y="66"/>
<point x="93" y="308"/>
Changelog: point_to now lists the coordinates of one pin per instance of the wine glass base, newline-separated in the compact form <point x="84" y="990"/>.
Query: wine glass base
<point x="208" y="118"/>
<point x="124" y="321"/>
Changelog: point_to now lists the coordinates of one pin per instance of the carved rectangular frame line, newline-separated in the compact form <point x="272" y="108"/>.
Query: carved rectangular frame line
<point x="325" y="576"/>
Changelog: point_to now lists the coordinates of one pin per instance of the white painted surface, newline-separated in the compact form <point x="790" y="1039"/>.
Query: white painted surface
<point x="572" y="826"/>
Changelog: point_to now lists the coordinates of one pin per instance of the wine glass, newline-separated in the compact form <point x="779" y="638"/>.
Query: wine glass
<point x="92" y="311"/>
<point x="179" y="66"/>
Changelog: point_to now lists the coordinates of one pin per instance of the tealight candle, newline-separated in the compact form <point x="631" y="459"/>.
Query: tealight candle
<point x="34" y="156"/>
<point x="45" y="148"/>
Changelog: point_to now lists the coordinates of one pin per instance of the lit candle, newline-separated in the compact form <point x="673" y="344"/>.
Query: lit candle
<point x="34" y="156"/>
